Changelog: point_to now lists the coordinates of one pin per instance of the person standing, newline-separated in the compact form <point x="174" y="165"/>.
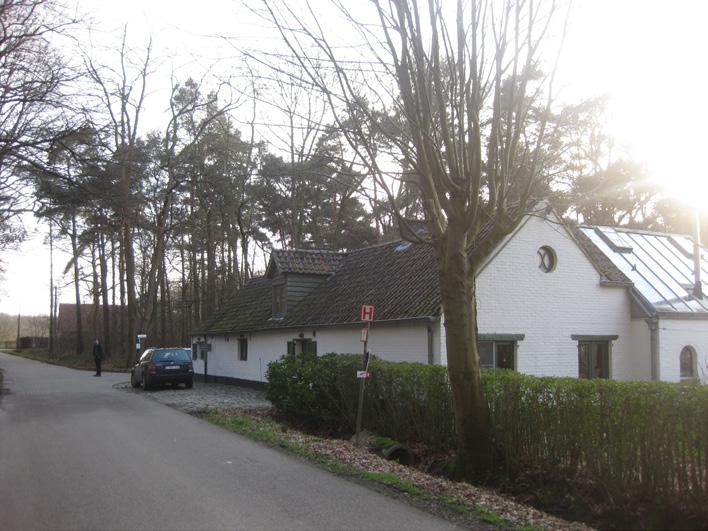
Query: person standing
<point x="97" y="356"/>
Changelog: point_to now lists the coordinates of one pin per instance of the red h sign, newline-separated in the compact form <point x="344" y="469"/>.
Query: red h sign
<point x="367" y="313"/>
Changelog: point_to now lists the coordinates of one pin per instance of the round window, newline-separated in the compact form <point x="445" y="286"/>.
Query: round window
<point x="547" y="259"/>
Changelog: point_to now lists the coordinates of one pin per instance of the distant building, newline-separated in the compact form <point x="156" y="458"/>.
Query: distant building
<point x="32" y="342"/>
<point x="91" y="322"/>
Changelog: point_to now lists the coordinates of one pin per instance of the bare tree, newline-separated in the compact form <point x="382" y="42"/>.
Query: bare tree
<point x="32" y="78"/>
<point x="472" y="107"/>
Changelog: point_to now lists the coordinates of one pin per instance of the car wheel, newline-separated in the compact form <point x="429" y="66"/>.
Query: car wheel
<point x="146" y="384"/>
<point x="189" y="384"/>
<point x="133" y="380"/>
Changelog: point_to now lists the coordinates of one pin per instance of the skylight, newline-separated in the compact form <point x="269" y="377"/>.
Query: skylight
<point x="616" y="240"/>
<point x="683" y="245"/>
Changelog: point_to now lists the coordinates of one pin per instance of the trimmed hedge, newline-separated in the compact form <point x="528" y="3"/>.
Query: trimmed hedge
<point x="636" y="440"/>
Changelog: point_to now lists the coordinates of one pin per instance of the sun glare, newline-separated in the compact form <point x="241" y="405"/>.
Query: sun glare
<point x="648" y="61"/>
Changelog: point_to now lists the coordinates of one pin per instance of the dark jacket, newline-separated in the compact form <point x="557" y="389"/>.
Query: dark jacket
<point x="97" y="350"/>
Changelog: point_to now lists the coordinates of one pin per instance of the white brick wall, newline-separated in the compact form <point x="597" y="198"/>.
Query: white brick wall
<point x="674" y="334"/>
<point x="640" y="368"/>
<point x="393" y="342"/>
<point x="516" y="297"/>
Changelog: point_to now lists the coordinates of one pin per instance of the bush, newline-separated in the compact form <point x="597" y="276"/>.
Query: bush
<point x="635" y="440"/>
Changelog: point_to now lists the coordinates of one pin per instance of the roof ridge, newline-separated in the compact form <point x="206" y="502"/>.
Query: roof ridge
<point x="382" y="244"/>
<point x="638" y="231"/>
<point x="308" y="251"/>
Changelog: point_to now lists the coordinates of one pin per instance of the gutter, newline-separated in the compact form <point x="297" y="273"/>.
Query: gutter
<point x="687" y="316"/>
<point x="616" y="283"/>
<point x="425" y="319"/>
<point x="654" y="333"/>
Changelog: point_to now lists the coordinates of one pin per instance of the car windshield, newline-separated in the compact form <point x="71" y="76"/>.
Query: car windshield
<point x="171" y="354"/>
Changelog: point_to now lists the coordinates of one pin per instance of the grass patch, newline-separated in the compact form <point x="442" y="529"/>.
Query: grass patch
<point x="394" y="481"/>
<point x="267" y="430"/>
<point x="489" y="516"/>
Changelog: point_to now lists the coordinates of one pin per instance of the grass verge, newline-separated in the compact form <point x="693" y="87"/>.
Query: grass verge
<point x="73" y="361"/>
<point x="267" y="430"/>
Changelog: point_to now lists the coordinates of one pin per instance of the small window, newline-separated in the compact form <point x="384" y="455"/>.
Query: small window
<point x="594" y="359"/>
<point x="310" y="347"/>
<point x="302" y="346"/>
<point x="547" y="259"/>
<point x="688" y="363"/>
<point x="194" y="351"/>
<point x="278" y="300"/>
<point x="243" y="349"/>
<point x="497" y="354"/>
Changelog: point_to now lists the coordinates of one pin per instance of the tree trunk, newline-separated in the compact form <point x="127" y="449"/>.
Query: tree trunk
<point x="457" y="289"/>
<point x="121" y="282"/>
<point x="210" y="298"/>
<point x="77" y="290"/>
<point x="104" y="295"/>
<point x="51" y="290"/>
<point x="129" y="258"/>
<point x="161" y="301"/>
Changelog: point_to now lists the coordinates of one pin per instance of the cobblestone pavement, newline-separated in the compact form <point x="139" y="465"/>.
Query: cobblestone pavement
<point x="203" y="396"/>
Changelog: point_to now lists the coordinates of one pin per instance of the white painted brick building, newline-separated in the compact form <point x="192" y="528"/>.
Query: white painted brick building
<point x="552" y="301"/>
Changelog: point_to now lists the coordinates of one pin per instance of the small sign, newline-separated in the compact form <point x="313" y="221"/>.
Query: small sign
<point x="364" y="335"/>
<point x="363" y="374"/>
<point x="367" y="313"/>
<point x="137" y="346"/>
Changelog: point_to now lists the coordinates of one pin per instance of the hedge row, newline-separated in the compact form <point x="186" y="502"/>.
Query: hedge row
<point x="638" y="440"/>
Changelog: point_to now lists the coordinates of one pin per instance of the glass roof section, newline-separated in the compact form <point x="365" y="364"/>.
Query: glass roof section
<point x="659" y="265"/>
<point x="614" y="239"/>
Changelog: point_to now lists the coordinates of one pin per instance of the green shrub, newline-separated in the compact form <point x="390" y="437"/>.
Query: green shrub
<point x="635" y="440"/>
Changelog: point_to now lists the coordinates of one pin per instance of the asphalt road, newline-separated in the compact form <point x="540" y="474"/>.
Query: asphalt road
<point x="77" y="454"/>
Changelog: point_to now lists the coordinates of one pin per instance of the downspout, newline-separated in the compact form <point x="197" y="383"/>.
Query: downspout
<point x="431" y="354"/>
<point x="653" y="323"/>
<point x="697" y="284"/>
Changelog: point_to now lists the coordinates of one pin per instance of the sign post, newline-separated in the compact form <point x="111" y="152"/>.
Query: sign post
<point x="138" y="345"/>
<point x="366" y="315"/>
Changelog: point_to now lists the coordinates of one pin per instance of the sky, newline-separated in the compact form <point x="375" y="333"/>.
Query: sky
<point x="646" y="56"/>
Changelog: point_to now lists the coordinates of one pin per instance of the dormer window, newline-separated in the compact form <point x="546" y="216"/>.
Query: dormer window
<point x="279" y="300"/>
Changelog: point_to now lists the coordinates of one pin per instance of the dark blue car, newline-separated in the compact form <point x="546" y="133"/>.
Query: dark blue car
<point x="163" y="366"/>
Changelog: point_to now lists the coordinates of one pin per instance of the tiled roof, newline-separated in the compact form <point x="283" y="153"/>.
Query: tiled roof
<point x="309" y="262"/>
<point x="602" y="263"/>
<point x="399" y="279"/>
<point x="248" y="309"/>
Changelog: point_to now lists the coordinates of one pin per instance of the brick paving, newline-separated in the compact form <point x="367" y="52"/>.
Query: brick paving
<point x="203" y="396"/>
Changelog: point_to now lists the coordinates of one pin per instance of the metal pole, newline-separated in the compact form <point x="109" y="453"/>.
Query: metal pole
<point x="697" y="284"/>
<point x="360" y="407"/>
